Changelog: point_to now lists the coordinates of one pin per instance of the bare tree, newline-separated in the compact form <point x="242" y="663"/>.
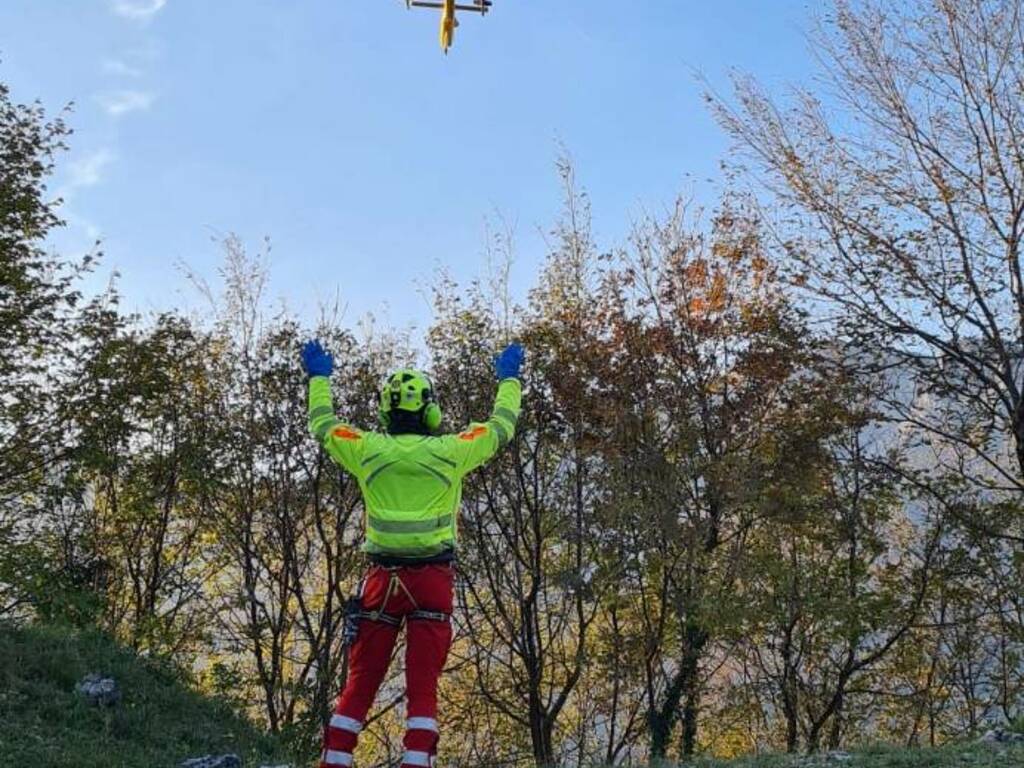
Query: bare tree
<point x="904" y="195"/>
<point x="705" y="343"/>
<point x="533" y="576"/>
<point x="284" y="519"/>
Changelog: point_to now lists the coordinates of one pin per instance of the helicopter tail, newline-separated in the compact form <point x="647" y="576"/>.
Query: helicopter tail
<point x="448" y="25"/>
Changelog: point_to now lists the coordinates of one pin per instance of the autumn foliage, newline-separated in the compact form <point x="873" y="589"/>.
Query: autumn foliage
<point x="766" y="491"/>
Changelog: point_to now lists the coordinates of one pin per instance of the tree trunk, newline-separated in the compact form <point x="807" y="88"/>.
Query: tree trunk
<point x="693" y="650"/>
<point x="661" y="720"/>
<point x="1018" y="433"/>
<point x="683" y="690"/>
<point x="540" y="735"/>
<point x="790" y="705"/>
<point x="836" y="735"/>
<point x="790" y="692"/>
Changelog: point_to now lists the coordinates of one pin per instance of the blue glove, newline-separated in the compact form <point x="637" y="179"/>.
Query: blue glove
<point x="507" y="364"/>
<point x="316" y="360"/>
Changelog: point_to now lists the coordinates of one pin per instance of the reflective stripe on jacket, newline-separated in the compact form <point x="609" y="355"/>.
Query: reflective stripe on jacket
<point x="412" y="484"/>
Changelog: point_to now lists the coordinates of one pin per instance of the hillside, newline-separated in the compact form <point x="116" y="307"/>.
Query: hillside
<point x="975" y="755"/>
<point x="160" y="722"/>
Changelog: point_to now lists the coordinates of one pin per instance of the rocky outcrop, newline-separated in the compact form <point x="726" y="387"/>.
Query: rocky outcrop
<point x="99" y="691"/>
<point x="1000" y="736"/>
<point x="213" y="761"/>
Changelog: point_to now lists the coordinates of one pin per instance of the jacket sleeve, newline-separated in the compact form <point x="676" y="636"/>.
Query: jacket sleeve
<point x="342" y="442"/>
<point x="480" y="442"/>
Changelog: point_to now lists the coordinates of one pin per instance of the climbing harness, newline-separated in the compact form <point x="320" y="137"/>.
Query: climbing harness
<point x="354" y="611"/>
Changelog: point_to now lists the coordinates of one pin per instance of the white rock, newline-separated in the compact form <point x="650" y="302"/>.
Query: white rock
<point x="999" y="736"/>
<point x="212" y="761"/>
<point x="99" y="691"/>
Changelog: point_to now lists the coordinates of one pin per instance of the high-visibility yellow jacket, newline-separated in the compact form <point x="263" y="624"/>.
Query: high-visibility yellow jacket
<point x="412" y="484"/>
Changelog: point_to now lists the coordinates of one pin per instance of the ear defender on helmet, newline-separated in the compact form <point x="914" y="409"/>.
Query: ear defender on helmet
<point x="384" y="409"/>
<point x="432" y="416"/>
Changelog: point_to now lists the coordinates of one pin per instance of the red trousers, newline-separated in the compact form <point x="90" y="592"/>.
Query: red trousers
<point x="396" y="592"/>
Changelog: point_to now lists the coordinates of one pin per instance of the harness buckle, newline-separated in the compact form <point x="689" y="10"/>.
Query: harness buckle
<point x="380" y="616"/>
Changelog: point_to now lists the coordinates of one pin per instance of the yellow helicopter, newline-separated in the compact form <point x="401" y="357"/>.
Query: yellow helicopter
<point x="448" y="9"/>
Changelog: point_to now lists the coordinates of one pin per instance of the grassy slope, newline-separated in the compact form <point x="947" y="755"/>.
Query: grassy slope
<point x="973" y="755"/>
<point x="159" y="723"/>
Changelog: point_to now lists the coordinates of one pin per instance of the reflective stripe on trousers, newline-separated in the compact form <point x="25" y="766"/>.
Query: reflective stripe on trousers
<point x="416" y="758"/>
<point x="334" y="757"/>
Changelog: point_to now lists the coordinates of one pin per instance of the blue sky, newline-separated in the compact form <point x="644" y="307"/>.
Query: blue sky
<point x="339" y="130"/>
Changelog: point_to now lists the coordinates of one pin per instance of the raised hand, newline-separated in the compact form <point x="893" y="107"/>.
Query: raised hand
<point x="507" y="364"/>
<point x="316" y="360"/>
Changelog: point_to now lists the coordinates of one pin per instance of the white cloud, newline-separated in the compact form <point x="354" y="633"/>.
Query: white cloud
<point x="132" y="62"/>
<point x="82" y="233"/>
<point x="141" y="10"/>
<point x="121" y="67"/>
<point x="117" y="103"/>
<point x="88" y="171"/>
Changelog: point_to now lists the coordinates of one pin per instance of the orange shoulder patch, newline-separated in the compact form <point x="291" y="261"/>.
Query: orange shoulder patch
<point x="473" y="434"/>
<point x="346" y="434"/>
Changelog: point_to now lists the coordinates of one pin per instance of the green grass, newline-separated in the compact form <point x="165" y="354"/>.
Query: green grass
<point x="975" y="755"/>
<point x="160" y="722"/>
